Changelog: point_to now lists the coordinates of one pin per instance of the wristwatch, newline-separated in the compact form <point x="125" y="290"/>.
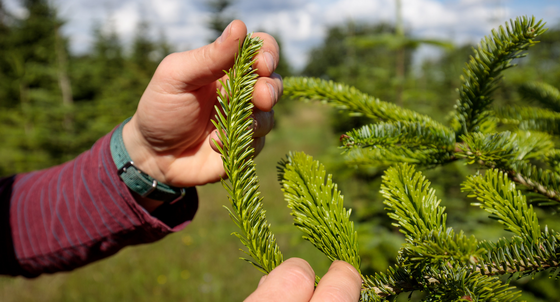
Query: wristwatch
<point x="134" y="178"/>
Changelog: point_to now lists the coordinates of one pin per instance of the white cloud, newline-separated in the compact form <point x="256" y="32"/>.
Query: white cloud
<point x="126" y="18"/>
<point x="15" y="8"/>
<point x="301" y="24"/>
<point x="305" y="26"/>
<point x="170" y="10"/>
<point x="362" y="10"/>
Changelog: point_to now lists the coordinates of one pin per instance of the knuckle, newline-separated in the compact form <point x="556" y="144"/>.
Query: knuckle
<point x="170" y="58"/>
<point x="167" y="62"/>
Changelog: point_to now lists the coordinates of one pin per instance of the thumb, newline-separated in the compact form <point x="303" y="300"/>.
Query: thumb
<point x="190" y="70"/>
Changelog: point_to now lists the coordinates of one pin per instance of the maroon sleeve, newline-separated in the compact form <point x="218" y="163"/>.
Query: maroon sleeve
<point x="67" y="216"/>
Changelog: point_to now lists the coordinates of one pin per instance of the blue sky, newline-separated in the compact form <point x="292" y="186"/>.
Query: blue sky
<point x="301" y="24"/>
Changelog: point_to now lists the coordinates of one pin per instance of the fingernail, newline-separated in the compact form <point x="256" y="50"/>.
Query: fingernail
<point x="269" y="61"/>
<point x="272" y="93"/>
<point x="225" y="34"/>
<point x="254" y="123"/>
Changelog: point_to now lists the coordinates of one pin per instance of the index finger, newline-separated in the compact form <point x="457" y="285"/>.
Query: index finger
<point x="342" y="283"/>
<point x="269" y="55"/>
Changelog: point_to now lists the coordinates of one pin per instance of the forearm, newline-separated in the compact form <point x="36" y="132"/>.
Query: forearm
<point x="70" y="215"/>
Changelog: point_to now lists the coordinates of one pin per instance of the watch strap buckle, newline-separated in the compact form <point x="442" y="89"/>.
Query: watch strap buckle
<point x="154" y="186"/>
<point x="125" y="167"/>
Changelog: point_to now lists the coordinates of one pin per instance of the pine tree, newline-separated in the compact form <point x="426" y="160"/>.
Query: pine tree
<point x="513" y="147"/>
<point x="37" y="99"/>
<point x="112" y="78"/>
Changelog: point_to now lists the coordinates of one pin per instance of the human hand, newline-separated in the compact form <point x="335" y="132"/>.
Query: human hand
<point x="294" y="281"/>
<point x="170" y="135"/>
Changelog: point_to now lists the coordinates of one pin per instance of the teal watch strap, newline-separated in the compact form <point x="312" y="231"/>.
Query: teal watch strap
<point x="134" y="178"/>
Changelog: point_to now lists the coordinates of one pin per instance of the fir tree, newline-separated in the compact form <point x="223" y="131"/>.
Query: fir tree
<point x="513" y="148"/>
<point x="36" y="96"/>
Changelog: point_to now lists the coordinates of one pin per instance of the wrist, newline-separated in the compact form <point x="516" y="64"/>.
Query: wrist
<point x="148" y="191"/>
<point x="140" y="153"/>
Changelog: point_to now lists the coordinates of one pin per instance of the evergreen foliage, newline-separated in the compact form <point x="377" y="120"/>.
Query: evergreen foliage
<point x="233" y="123"/>
<point x="513" y="146"/>
<point x="380" y="157"/>
<point x="543" y="93"/>
<point x="483" y="71"/>
<point x="55" y="105"/>
<point x="499" y="197"/>
<point x="348" y="98"/>
<point x="411" y="134"/>
<point x="530" y="118"/>
<point x="317" y="207"/>
<point x="435" y="259"/>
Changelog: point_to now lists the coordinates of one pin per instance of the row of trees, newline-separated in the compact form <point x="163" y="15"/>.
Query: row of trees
<point x="55" y="104"/>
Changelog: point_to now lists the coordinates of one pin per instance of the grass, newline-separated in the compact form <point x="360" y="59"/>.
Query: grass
<point x="200" y="263"/>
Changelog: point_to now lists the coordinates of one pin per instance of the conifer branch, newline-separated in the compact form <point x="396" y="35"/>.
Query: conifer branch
<point x="349" y="98"/>
<point x="441" y="284"/>
<point x="505" y="257"/>
<point x="533" y="178"/>
<point x="433" y="254"/>
<point x="553" y="158"/>
<point x="533" y="145"/>
<point x="521" y="257"/>
<point x="383" y="285"/>
<point x="483" y="71"/>
<point x="436" y="272"/>
<point x="491" y="150"/>
<point x="380" y="156"/>
<point x="502" y="151"/>
<point x="410" y="134"/>
<point x="440" y="246"/>
<point x="411" y="203"/>
<point x="529" y="118"/>
<point x="318" y="209"/>
<point x="233" y="122"/>
<point x="539" y="180"/>
<point x="460" y="284"/>
<point x="499" y="197"/>
<point x="514" y="114"/>
<point x="547" y="95"/>
<point x="505" y="148"/>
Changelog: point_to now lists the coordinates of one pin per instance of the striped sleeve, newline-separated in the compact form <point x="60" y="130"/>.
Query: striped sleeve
<point x="67" y="216"/>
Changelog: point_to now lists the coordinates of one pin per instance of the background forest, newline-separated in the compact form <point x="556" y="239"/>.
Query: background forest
<point x="55" y="104"/>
